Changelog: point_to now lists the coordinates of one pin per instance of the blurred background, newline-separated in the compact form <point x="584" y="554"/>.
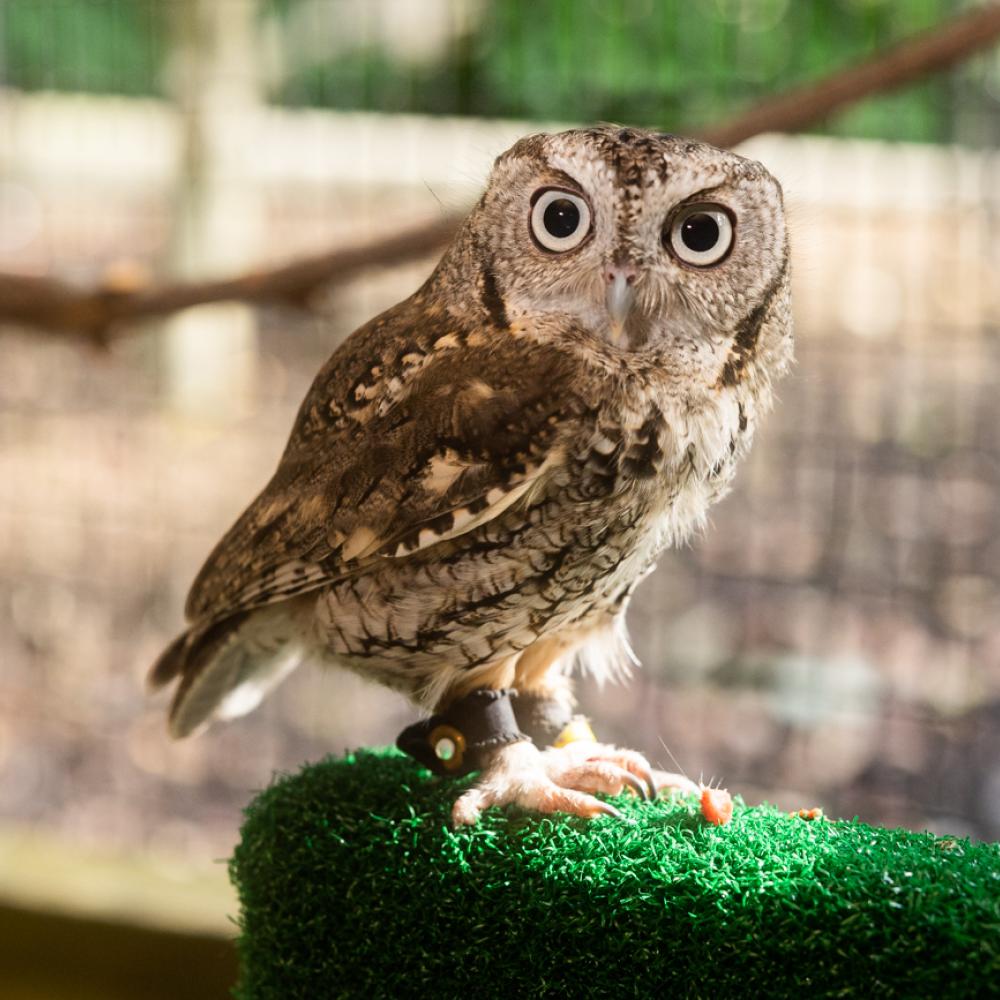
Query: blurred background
<point x="833" y="640"/>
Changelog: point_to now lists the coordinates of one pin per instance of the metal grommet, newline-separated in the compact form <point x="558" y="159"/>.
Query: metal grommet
<point x="448" y="746"/>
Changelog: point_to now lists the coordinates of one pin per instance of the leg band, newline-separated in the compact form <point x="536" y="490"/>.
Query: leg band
<point x="455" y="741"/>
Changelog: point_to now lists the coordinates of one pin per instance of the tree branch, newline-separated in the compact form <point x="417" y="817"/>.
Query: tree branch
<point x="50" y="304"/>
<point x="931" y="52"/>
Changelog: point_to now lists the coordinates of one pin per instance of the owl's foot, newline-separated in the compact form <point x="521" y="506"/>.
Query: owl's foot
<point x="556" y="780"/>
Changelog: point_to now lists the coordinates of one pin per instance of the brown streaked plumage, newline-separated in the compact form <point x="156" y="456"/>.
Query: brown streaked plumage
<point x="479" y="477"/>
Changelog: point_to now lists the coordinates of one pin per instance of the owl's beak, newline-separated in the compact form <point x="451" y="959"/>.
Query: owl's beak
<point x="620" y="295"/>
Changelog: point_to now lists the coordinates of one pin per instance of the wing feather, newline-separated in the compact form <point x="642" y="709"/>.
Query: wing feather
<point x="389" y="458"/>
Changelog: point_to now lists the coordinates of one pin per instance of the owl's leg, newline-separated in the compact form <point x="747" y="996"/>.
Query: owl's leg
<point x="543" y="679"/>
<point x="562" y="778"/>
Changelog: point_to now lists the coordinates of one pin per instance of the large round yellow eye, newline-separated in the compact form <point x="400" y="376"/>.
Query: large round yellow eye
<point x="560" y="221"/>
<point x="701" y="235"/>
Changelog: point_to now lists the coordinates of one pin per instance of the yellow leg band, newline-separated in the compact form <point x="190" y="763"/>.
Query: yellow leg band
<point x="575" y="730"/>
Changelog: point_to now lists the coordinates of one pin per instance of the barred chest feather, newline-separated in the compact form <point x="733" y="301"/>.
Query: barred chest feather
<point x="658" y="469"/>
<point x="673" y="457"/>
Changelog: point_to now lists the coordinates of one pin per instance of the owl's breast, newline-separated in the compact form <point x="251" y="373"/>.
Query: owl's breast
<point x="623" y="484"/>
<point x="662" y="460"/>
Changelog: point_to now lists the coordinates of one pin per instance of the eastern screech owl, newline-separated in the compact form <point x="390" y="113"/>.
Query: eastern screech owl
<point x="479" y="477"/>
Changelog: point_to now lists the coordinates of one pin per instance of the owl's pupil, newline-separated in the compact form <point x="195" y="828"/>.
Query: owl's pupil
<point x="561" y="218"/>
<point x="700" y="232"/>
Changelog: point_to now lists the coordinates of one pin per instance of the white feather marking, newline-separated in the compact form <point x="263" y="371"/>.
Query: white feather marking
<point x="360" y="541"/>
<point x="461" y="517"/>
<point x="258" y="683"/>
<point x="608" y="655"/>
<point x="603" y="445"/>
<point x="442" y="471"/>
<point x="481" y="389"/>
<point x="498" y="500"/>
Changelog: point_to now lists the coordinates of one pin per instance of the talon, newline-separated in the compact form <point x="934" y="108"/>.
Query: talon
<point x="609" y="810"/>
<point x="558" y="780"/>
<point x="646" y="773"/>
<point x="636" y="785"/>
<point x="636" y="765"/>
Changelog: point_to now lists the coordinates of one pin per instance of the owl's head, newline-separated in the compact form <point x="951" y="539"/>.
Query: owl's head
<point x="642" y="239"/>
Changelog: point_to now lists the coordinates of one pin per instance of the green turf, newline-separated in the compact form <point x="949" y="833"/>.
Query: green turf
<point x="353" y="885"/>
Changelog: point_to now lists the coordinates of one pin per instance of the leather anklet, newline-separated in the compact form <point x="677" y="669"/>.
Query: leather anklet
<point x="455" y="741"/>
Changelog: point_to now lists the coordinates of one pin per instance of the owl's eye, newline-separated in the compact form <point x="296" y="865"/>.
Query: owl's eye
<point x="701" y="235"/>
<point x="560" y="221"/>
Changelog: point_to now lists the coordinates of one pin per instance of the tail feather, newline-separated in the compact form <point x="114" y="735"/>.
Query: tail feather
<point x="169" y="664"/>
<point x="224" y="670"/>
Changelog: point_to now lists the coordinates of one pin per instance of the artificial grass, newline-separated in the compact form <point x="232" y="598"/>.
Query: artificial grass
<point x="352" y="884"/>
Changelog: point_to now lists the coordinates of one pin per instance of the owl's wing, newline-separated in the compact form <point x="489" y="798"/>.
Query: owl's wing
<point x="432" y="454"/>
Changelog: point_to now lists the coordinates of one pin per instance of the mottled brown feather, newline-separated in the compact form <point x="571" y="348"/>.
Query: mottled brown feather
<point x="480" y="476"/>
<point x="495" y="406"/>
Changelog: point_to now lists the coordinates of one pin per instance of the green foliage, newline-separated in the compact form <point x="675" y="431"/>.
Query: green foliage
<point x="352" y="884"/>
<point x="95" y="46"/>
<point x="673" y="64"/>
<point x="670" y="63"/>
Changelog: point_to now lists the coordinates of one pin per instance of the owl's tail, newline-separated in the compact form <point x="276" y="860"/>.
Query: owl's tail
<point x="224" y="669"/>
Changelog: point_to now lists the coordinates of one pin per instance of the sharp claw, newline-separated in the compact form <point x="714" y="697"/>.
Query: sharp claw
<point x="646" y="773"/>
<point x="634" y="783"/>
<point x="609" y="810"/>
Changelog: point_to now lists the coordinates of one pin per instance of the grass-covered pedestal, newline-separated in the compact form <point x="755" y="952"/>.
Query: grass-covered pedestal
<point x="352" y="884"/>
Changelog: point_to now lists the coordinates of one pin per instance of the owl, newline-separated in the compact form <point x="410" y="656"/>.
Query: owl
<point x="480" y="476"/>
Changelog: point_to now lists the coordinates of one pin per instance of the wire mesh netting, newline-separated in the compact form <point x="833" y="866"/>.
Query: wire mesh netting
<point x="833" y="638"/>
